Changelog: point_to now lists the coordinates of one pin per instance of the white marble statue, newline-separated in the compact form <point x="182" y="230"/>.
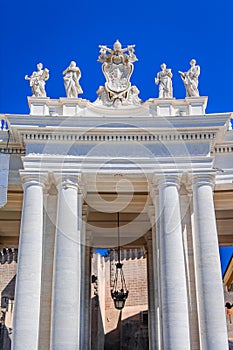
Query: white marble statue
<point x="72" y="74"/>
<point x="37" y="81"/>
<point x="117" y="67"/>
<point x="164" y="80"/>
<point x="190" y="79"/>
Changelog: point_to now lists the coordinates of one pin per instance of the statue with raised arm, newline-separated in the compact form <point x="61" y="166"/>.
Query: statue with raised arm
<point x="164" y="80"/>
<point x="190" y="79"/>
<point x="72" y="74"/>
<point x="37" y="81"/>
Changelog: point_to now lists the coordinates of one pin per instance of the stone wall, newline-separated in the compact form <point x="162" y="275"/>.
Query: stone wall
<point x="126" y="329"/>
<point x="8" y="266"/>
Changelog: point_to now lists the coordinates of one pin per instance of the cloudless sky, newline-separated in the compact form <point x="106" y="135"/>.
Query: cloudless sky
<point x="56" y="32"/>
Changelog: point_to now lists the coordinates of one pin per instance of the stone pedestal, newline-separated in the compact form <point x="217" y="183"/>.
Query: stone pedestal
<point x="167" y="107"/>
<point x="71" y="106"/>
<point x="212" y="320"/>
<point x="28" y="283"/>
<point x="196" y="105"/>
<point x="38" y="105"/>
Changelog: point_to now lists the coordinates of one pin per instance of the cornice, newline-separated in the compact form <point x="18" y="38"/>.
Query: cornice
<point x="143" y="120"/>
<point x="117" y="128"/>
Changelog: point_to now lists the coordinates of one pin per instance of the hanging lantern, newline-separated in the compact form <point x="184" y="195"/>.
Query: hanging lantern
<point x="119" y="295"/>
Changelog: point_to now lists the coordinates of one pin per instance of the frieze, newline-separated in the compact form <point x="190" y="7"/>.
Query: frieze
<point x="119" y="138"/>
<point x="14" y="150"/>
<point x="223" y="149"/>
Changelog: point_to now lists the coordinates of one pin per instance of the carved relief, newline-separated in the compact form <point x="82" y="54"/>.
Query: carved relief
<point x="117" y="67"/>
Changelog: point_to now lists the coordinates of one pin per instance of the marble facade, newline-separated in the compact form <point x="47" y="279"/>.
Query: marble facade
<point x="166" y="166"/>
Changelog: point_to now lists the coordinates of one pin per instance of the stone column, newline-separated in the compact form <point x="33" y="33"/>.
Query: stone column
<point x="152" y="291"/>
<point x="50" y="215"/>
<point x="67" y="268"/>
<point x="176" y="334"/>
<point x="186" y="210"/>
<point x="212" y="320"/>
<point x="156" y="236"/>
<point x="28" y="283"/>
<point x="87" y="301"/>
<point x="85" y="282"/>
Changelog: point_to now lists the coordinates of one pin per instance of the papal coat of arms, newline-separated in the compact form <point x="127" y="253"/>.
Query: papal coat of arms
<point x="117" y="66"/>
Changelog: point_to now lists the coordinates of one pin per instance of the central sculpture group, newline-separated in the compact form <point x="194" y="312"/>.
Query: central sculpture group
<point x="117" y="67"/>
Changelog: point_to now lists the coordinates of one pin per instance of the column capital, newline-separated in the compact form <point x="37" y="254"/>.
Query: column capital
<point x="151" y="210"/>
<point x="163" y="180"/>
<point x="29" y="179"/>
<point x="71" y="181"/>
<point x="168" y="180"/>
<point x="203" y="179"/>
<point x="153" y="191"/>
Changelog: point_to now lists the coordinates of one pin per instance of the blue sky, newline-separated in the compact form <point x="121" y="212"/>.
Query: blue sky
<point x="225" y="255"/>
<point x="56" y="32"/>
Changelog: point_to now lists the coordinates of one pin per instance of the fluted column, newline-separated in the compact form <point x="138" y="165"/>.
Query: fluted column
<point x="67" y="268"/>
<point x="28" y="283"/>
<point x="212" y="322"/>
<point x="175" y="320"/>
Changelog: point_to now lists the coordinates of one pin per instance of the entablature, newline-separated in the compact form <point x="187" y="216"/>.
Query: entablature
<point x="143" y="128"/>
<point x="117" y="165"/>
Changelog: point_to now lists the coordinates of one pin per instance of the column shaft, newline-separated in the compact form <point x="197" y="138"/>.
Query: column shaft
<point x="212" y="324"/>
<point x="173" y="279"/>
<point x="50" y="214"/>
<point x="87" y="301"/>
<point x="84" y="281"/>
<point x="152" y="291"/>
<point x="28" y="284"/>
<point x="67" y="271"/>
